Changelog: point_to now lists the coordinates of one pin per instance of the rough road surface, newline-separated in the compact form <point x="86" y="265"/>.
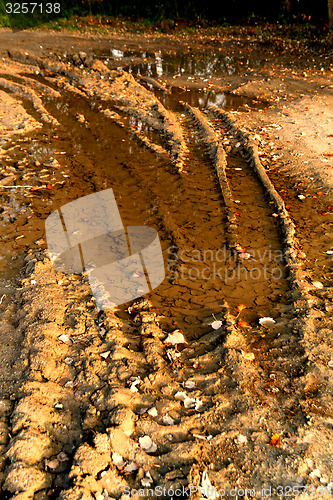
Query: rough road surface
<point x="95" y="404"/>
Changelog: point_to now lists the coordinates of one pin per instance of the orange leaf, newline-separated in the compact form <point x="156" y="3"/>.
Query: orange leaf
<point x="275" y="440"/>
<point x="242" y="324"/>
<point x="240" y="249"/>
<point x="48" y="186"/>
<point x="241" y="307"/>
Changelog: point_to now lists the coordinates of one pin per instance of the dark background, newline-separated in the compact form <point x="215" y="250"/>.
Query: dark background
<point x="147" y="12"/>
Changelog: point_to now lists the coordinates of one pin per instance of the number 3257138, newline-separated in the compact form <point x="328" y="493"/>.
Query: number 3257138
<point x="30" y="8"/>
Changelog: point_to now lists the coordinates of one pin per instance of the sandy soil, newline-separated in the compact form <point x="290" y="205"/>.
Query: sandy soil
<point x="95" y="404"/>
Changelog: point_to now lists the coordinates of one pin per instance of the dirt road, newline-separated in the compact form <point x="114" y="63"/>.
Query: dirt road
<point x="222" y="376"/>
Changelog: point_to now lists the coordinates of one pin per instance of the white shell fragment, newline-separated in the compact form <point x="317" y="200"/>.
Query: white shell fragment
<point x="180" y="395"/>
<point x="189" y="384"/>
<point x="117" y="459"/>
<point x="104" y="354"/>
<point x="267" y="322"/>
<point x="65" y="339"/>
<point x="147" y="444"/>
<point x="248" y="355"/>
<point x="136" y="382"/>
<point x="175" y="338"/>
<point x="244" y="256"/>
<point x="317" y="284"/>
<point x="131" y="467"/>
<point x="52" y="464"/>
<point x="147" y="481"/>
<point x="240" y="439"/>
<point x="167" y="420"/>
<point x="152" y="412"/>
<point x="207" y="488"/>
<point x="192" y="403"/>
<point x="189" y="402"/>
<point x="216" y="324"/>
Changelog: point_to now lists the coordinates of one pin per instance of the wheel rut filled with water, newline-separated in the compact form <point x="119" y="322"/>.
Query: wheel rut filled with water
<point x="214" y="377"/>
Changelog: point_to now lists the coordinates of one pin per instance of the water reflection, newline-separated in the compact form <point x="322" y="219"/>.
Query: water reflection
<point x="161" y="63"/>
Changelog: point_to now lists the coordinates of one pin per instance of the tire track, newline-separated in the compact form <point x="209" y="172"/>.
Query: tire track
<point x="106" y="401"/>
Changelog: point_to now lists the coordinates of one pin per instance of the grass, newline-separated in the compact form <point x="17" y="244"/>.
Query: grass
<point x="252" y="28"/>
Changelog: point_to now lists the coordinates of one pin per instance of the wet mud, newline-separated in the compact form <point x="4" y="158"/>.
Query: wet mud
<point x="97" y="401"/>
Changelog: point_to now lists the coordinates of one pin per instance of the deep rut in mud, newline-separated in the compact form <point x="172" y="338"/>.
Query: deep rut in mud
<point x="81" y="387"/>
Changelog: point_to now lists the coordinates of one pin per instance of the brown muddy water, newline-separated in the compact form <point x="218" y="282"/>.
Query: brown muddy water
<point x="83" y="158"/>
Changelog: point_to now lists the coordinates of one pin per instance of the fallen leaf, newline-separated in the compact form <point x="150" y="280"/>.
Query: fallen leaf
<point x="241" y="308"/>
<point x="275" y="440"/>
<point x="242" y="324"/>
<point x="248" y="355"/>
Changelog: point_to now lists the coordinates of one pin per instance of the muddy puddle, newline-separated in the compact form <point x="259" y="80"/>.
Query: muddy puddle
<point x="157" y="64"/>
<point x="89" y="153"/>
<point x="200" y="270"/>
<point x="189" y="67"/>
